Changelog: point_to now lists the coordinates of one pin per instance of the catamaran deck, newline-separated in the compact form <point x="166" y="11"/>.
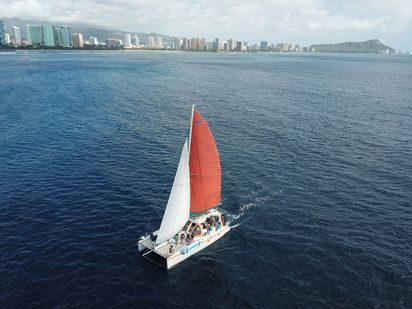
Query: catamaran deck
<point x="185" y="242"/>
<point x="164" y="250"/>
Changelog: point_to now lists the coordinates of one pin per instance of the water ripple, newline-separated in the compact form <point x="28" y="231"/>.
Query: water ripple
<point x="316" y="178"/>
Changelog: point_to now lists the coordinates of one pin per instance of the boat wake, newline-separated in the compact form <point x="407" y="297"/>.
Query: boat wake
<point x="235" y="218"/>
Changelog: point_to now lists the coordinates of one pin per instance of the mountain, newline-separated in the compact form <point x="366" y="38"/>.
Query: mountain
<point x="370" y="46"/>
<point x="100" y="32"/>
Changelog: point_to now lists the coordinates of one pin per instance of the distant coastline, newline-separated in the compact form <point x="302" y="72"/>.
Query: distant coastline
<point x="366" y="47"/>
<point x="17" y="34"/>
<point x="332" y="50"/>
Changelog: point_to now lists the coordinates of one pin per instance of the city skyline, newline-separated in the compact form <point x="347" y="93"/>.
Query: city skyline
<point x="53" y="36"/>
<point x="301" y="21"/>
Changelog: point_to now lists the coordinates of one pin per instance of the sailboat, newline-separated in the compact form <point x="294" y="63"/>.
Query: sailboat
<point x="192" y="220"/>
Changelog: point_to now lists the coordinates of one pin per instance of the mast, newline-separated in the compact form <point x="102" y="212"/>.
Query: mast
<point x="178" y="206"/>
<point x="191" y="127"/>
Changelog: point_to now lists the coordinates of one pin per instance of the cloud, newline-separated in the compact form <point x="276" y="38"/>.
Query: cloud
<point x="305" y="21"/>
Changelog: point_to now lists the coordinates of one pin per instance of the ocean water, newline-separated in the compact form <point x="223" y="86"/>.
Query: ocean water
<point x="316" y="153"/>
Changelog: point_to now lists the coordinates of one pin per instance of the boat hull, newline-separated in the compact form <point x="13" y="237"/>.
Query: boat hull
<point x="156" y="256"/>
<point x="199" y="232"/>
<point x="194" y="247"/>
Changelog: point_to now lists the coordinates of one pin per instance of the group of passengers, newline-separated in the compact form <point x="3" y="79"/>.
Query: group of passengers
<point x="211" y="223"/>
<point x="192" y="230"/>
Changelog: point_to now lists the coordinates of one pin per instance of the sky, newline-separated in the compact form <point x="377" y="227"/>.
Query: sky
<point x="296" y="21"/>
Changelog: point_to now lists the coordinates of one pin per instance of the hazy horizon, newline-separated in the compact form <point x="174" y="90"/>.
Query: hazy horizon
<point x="297" y="21"/>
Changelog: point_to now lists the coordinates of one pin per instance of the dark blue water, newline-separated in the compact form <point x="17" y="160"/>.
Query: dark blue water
<point x="316" y="155"/>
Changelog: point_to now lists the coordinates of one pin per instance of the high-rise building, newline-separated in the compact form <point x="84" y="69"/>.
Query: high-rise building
<point x="66" y="36"/>
<point x="57" y="36"/>
<point x="202" y="44"/>
<point x="114" y="43"/>
<point x="34" y="35"/>
<point x="16" y="35"/>
<point x="135" y="40"/>
<point x="159" y="42"/>
<point x="283" y="47"/>
<point x="272" y="47"/>
<point x="219" y="44"/>
<point x="231" y="44"/>
<point x="48" y="37"/>
<point x="7" y="38"/>
<point x="240" y="46"/>
<point x="186" y="44"/>
<point x="151" y="42"/>
<point x="93" y="41"/>
<point x="216" y="44"/>
<point x="127" y="39"/>
<point x="194" y="43"/>
<point x="210" y="45"/>
<point x="62" y="36"/>
<point x="177" y="44"/>
<point x="2" y="33"/>
<point x="264" y="45"/>
<point x="77" y="40"/>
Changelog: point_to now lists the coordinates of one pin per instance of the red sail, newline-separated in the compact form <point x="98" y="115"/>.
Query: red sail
<point x="205" y="172"/>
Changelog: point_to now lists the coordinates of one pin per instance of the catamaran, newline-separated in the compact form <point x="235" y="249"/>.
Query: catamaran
<point x="191" y="220"/>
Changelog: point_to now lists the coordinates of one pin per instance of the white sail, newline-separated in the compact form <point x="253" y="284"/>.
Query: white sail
<point x="178" y="206"/>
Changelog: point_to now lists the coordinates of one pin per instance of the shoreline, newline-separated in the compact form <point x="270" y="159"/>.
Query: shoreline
<point x="7" y="49"/>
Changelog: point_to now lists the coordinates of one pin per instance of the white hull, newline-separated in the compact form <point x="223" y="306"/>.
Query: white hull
<point x="170" y="253"/>
<point x="202" y="243"/>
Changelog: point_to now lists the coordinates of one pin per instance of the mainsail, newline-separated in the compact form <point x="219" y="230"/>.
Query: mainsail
<point x="204" y="163"/>
<point x="178" y="205"/>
